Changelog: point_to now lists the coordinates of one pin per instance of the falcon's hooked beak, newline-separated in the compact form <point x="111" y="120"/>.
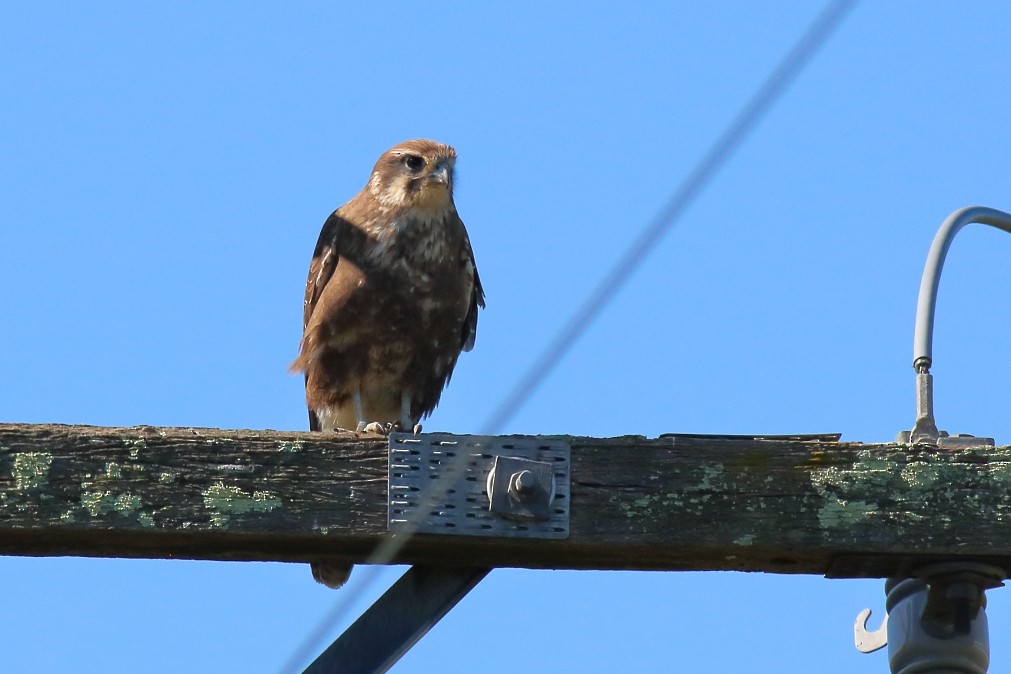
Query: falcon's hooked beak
<point x="440" y="174"/>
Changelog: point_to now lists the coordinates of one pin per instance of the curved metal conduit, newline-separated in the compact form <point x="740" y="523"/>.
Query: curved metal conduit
<point x="925" y="429"/>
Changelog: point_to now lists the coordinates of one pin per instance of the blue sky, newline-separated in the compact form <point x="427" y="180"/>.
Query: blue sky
<point x="165" y="169"/>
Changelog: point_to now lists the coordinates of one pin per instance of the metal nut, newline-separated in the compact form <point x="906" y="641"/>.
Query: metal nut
<point x="522" y="484"/>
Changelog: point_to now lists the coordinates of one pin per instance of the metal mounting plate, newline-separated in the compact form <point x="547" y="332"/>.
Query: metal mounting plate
<point x="438" y="484"/>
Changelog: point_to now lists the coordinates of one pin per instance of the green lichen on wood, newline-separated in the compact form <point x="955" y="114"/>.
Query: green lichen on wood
<point x="712" y="481"/>
<point x="113" y="470"/>
<point x="290" y="447"/>
<point x="842" y="489"/>
<point x="844" y="513"/>
<point x="135" y="445"/>
<point x="647" y="506"/>
<point x="909" y="486"/>
<point x="226" y="501"/>
<point x="31" y="469"/>
<point x="127" y="503"/>
<point x="711" y="475"/>
<point x="100" y="503"/>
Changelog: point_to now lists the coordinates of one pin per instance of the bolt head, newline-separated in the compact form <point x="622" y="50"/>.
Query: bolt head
<point x="523" y="482"/>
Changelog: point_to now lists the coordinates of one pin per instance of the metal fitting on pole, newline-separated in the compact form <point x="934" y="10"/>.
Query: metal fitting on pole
<point x="925" y="429"/>
<point x="937" y="621"/>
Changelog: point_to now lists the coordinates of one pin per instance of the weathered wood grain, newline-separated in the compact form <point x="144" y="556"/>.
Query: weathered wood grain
<point x="839" y="509"/>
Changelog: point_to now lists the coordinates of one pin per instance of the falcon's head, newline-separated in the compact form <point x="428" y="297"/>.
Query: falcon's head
<point x="416" y="174"/>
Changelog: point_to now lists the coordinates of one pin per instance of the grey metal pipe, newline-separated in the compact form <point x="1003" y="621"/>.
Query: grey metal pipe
<point x="923" y="336"/>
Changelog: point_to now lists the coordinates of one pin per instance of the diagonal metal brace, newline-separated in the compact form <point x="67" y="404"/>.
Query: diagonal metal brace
<point x="398" y="619"/>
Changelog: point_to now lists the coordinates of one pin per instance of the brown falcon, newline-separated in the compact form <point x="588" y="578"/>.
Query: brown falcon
<point x="391" y="300"/>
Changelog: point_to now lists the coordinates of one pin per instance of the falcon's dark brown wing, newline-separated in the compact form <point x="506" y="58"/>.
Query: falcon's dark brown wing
<point x="476" y="302"/>
<point x="321" y="269"/>
<point x="324" y="262"/>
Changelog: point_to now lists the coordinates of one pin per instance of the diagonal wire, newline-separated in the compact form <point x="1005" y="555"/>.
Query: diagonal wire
<point x="740" y="127"/>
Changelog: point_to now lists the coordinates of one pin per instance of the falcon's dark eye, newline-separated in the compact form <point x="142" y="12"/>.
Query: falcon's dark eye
<point x="414" y="162"/>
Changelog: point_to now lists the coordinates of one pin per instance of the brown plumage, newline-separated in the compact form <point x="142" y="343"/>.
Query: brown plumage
<point x="391" y="300"/>
<point x="392" y="296"/>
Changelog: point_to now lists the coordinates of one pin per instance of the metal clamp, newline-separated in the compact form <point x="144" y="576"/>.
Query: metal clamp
<point x="521" y="489"/>
<point x="476" y="485"/>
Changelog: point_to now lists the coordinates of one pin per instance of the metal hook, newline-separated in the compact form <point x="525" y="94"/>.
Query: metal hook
<point x="868" y="642"/>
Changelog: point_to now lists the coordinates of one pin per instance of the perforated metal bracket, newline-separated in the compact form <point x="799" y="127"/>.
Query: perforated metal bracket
<point x="478" y="485"/>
